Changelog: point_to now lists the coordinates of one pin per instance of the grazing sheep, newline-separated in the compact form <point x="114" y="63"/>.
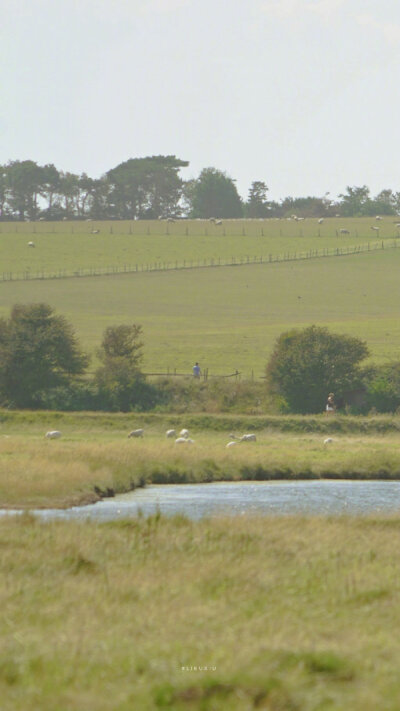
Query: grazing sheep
<point x="31" y="244"/>
<point x="170" y="219"/>
<point x="231" y="444"/>
<point x="170" y="433"/>
<point x="378" y="217"/>
<point x="328" y="440"/>
<point x="95" y="232"/>
<point x="53" y="434"/>
<point x="320" y="221"/>
<point x="344" y="232"/>
<point x="218" y="222"/>
<point x="184" y="433"/>
<point x="211" y="219"/>
<point x="248" y="438"/>
<point x="184" y="440"/>
<point x="136" y="433"/>
<point x="376" y="229"/>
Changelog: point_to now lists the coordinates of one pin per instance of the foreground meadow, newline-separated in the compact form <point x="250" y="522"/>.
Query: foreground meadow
<point x="281" y="614"/>
<point x="229" y="318"/>
<point x="95" y="458"/>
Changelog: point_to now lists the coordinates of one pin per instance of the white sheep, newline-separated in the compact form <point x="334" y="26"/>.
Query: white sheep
<point x="170" y="433"/>
<point x="376" y="229"/>
<point x="53" y="434"/>
<point x="378" y="217"/>
<point x="320" y="221"/>
<point x="328" y="440"/>
<point x="248" y="438"/>
<point x="231" y="444"/>
<point x="218" y="222"/>
<point x="31" y="244"/>
<point x="136" y="433"/>
<point x="95" y="232"/>
<point x="184" y="440"/>
<point x="184" y="433"/>
<point x="344" y="232"/>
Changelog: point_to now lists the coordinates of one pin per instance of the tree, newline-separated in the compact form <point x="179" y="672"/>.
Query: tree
<point x="214" y="194"/>
<point x="146" y="188"/>
<point x="309" y="363"/>
<point x="38" y="351"/>
<point x="121" y="354"/>
<point x="50" y="185"/>
<point x="355" y="202"/>
<point x="257" y="204"/>
<point x="24" y="179"/>
<point x="69" y="192"/>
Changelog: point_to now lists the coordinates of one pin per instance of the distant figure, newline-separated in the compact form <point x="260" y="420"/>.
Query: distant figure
<point x="330" y="403"/>
<point x="196" y="370"/>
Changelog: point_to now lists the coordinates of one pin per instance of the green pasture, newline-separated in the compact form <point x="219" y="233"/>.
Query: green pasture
<point x="70" y="246"/>
<point x="229" y="318"/>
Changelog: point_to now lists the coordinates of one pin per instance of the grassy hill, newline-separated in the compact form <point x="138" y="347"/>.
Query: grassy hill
<point x="228" y="318"/>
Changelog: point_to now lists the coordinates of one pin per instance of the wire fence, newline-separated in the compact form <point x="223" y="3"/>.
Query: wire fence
<point x="30" y="275"/>
<point x="204" y="375"/>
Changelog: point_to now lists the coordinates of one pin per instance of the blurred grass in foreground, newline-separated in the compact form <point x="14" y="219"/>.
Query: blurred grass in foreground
<point x="247" y="613"/>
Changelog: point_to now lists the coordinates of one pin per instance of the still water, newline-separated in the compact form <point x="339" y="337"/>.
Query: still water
<point x="239" y="498"/>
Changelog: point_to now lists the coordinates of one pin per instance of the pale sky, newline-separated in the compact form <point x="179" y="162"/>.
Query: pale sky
<point x="303" y="94"/>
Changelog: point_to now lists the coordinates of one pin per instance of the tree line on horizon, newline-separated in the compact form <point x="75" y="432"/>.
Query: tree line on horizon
<point x="152" y="188"/>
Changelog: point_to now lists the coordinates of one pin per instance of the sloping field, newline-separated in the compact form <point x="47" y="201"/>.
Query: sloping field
<point x="228" y="318"/>
<point x="68" y="247"/>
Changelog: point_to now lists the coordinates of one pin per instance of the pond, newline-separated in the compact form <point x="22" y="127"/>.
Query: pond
<point x="323" y="497"/>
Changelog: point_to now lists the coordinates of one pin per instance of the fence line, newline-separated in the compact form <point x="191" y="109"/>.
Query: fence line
<point x="204" y="375"/>
<point x="199" y="263"/>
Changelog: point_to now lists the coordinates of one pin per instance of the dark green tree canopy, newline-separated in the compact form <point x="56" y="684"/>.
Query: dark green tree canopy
<point x="146" y="188"/>
<point x="121" y="354"/>
<point x="214" y="194"/>
<point x="38" y="351"/>
<point x="307" y="364"/>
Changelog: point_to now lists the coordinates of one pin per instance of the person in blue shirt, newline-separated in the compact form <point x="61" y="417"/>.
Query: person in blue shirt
<point x="196" y="370"/>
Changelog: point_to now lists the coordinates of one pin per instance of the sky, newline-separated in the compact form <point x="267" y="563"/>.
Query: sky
<point x="302" y="94"/>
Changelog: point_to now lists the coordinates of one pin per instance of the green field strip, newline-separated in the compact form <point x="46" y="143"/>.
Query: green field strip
<point x="29" y="275"/>
<point x="229" y="319"/>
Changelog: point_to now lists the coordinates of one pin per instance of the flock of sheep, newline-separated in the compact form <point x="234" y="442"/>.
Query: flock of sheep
<point x="182" y="438"/>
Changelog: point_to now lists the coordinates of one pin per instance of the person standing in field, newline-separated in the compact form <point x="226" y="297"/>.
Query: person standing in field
<point x="196" y="370"/>
<point x="330" y="403"/>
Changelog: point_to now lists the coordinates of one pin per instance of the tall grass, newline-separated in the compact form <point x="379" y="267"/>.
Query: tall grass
<point x="228" y="614"/>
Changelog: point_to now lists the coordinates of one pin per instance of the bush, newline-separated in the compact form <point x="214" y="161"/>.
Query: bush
<point x="307" y="364"/>
<point x="383" y="388"/>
